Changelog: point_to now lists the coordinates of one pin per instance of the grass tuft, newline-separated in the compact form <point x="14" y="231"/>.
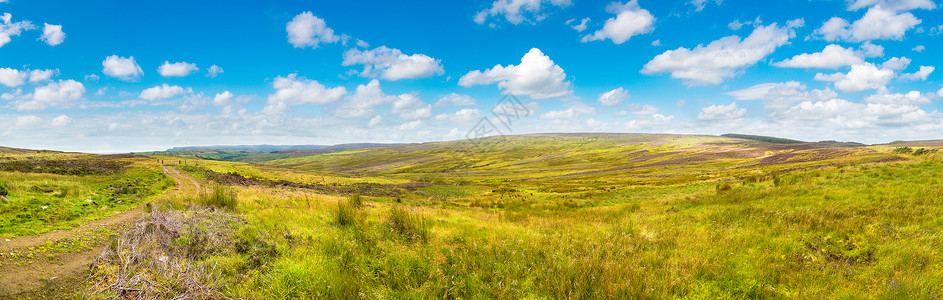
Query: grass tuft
<point x="409" y="225"/>
<point x="219" y="197"/>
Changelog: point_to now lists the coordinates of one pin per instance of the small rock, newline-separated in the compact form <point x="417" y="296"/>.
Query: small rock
<point x="88" y="200"/>
<point x="7" y="240"/>
<point x="44" y="207"/>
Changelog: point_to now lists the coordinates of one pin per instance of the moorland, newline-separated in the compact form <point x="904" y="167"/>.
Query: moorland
<point x="535" y="216"/>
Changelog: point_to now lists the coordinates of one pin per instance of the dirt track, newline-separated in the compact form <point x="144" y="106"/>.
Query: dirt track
<point x="19" y="275"/>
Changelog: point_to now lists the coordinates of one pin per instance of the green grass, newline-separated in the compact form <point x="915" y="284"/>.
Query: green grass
<point x="543" y="217"/>
<point x="36" y="203"/>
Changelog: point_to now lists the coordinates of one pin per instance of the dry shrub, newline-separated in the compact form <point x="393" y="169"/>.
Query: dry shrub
<point x="159" y="257"/>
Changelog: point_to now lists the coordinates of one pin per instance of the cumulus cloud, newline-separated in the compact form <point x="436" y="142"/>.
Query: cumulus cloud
<point x="306" y="30"/>
<point x="12" y="77"/>
<point x="122" y="68"/>
<point x="896" y="63"/>
<point x="410" y="125"/>
<point x="409" y="107"/>
<point x="780" y="96"/>
<point x="391" y="64"/>
<point x="9" y="29"/>
<point x="213" y="71"/>
<point x="871" y="50"/>
<point x="162" y="92"/>
<point x="630" y="20"/>
<point x="536" y="76"/>
<point x="832" y="57"/>
<point x="614" y="97"/>
<point x="177" y="69"/>
<point x="222" y="98"/>
<point x="898" y="5"/>
<point x="723" y="58"/>
<point x="939" y="93"/>
<point x="578" y="27"/>
<point x="860" y="77"/>
<point x="518" y="11"/>
<point x="911" y="98"/>
<point x="465" y="115"/>
<point x="41" y="75"/>
<point x="293" y="90"/>
<point x="721" y="112"/>
<point x="56" y="94"/>
<point x="28" y="121"/>
<point x="573" y="112"/>
<point x="920" y="75"/>
<point x="362" y="102"/>
<point x="52" y="34"/>
<point x="375" y="121"/>
<point x="878" y="23"/>
<point x="61" y="120"/>
<point x="454" y="99"/>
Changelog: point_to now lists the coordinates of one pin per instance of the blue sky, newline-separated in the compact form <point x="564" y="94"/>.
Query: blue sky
<point x="118" y="76"/>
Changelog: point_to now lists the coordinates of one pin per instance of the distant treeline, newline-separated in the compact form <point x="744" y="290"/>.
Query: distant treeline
<point x="768" y="139"/>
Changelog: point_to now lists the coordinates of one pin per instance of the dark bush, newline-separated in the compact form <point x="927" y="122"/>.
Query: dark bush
<point x="3" y="190"/>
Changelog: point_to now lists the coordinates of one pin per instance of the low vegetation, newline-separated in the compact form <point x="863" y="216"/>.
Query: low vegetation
<point x="546" y="217"/>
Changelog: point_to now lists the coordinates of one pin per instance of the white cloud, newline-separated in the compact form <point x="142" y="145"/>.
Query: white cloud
<point x="778" y="97"/>
<point x="736" y="25"/>
<point x="410" y="125"/>
<point x="61" y="120"/>
<point x="12" y="77"/>
<point x="9" y="28"/>
<point x="375" y="121"/>
<point x="213" y="71"/>
<point x="630" y="20"/>
<point x="721" y="59"/>
<point x="536" y="76"/>
<point x="306" y="30"/>
<point x="833" y="30"/>
<point x="222" y="98"/>
<point x="832" y="57"/>
<point x="409" y="107"/>
<point x="455" y="99"/>
<point x="920" y="75"/>
<point x="572" y="113"/>
<point x="391" y="64"/>
<point x="122" y="68"/>
<point x="898" y="5"/>
<point x="292" y="90"/>
<point x="518" y="11"/>
<point x="699" y="4"/>
<point x="578" y="27"/>
<point x="58" y="94"/>
<point x="919" y="48"/>
<point x="939" y="93"/>
<point x="722" y="112"/>
<point x="41" y="75"/>
<point x="361" y="103"/>
<point x="177" y="69"/>
<point x="656" y="43"/>
<point x="878" y="23"/>
<point x="465" y="115"/>
<point x="162" y="92"/>
<point x="896" y="63"/>
<point x="911" y="98"/>
<point x="614" y="97"/>
<point x="52" y="34"/>
<point x="28" y="121"/>
<point x="871" y="50"/>
<point x="861" y="77"/>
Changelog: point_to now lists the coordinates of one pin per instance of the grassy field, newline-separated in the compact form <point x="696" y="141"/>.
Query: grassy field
<point x="547" y="216"/>
<point x="44" y="190"/>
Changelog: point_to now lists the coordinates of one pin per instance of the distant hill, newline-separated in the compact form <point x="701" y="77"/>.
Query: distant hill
<point x="260" y="148"/>
<point x="336" y="148"/>
<point x="253" y="154"/>
<point x="768" y="139"/>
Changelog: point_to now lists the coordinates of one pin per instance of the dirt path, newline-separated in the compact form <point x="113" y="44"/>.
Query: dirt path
<point x="25" y="270"/>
